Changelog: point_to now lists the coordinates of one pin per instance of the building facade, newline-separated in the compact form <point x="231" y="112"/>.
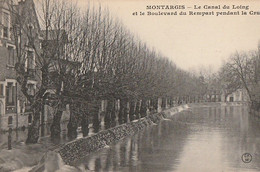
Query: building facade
<point x="239" y="95"/>
<point x="13" y="104"/>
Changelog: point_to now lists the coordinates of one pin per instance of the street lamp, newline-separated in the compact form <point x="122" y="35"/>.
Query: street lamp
<point x="10" y="137"/>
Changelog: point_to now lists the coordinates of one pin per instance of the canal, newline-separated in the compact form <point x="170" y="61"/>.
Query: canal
<point x="209" y="138"/>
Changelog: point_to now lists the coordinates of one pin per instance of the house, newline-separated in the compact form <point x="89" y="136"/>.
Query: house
<point x="239" y="95"/>
<point x="13" y="105"/>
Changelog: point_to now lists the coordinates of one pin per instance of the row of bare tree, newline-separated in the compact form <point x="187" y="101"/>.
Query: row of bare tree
<point x="83" y="57"/>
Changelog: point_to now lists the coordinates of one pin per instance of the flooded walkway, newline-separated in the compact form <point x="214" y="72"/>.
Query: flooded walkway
<point x="210" y="138"/>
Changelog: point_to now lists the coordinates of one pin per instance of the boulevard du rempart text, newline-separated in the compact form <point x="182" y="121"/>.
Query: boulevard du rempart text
<point x="197" y="10"/>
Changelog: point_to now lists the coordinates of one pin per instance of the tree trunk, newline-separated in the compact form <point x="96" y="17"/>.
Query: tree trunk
<point x="108" y="113"/>
<point x="73" y="123"/>
<point x="132" y="110"/>
<point x="143" y="108"/>
<point x="125" y="119"/>
<point x="85" y="124"/>
<point x="163" y="103"/>
<point x="55" y="126"/>
<point x="33" y="130"/>
<point x="137" y="110"/>
<point x="121" y="112"/>
<point x="155" y="104"/>
<point x="113" y="113"/>
<point x="42" y="121"/>
<point x="96" y="120"/>
<point x="122" y="116"/>
<point x="150" y="105"/>
<point x="72" y="127"/>
<point x="171" y="102"/>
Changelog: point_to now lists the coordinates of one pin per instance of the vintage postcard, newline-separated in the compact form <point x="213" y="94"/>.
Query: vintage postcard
<point x="134" y="85"/>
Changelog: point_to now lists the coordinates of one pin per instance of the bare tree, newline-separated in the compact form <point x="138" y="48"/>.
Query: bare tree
<point x="52" y="41"/>
<point x="229" y="80"/>
<point x="86" y="57"/>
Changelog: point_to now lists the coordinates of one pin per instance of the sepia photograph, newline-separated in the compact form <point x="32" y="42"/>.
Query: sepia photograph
<point x="129" y="86"/>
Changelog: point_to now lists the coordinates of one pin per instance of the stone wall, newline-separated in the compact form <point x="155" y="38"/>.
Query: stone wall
<point x="77" y="149"/>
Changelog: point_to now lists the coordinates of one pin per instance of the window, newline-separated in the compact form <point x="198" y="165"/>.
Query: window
<point x="11" y="58"/>
<point x="30" y="118"/>
<point x="31" y="90"/>
<point x="1" y="107"/>
<point x="1" y="89"/>
<point x="30" y="63"/>
<point x="10" y="120"/>
<point x="30" y="27"/>
<point x="6" y="25"/>
<point x="237" y="93"/>
<point x="10" y="94"/>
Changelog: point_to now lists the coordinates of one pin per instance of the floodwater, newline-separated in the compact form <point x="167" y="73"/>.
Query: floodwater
<point x="204" y="139"/>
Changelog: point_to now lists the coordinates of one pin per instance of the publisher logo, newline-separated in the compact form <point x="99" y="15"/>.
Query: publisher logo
<point x="246" y="157"/>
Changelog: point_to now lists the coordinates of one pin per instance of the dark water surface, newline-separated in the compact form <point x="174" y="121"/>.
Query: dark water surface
<point x="201" y="139"/>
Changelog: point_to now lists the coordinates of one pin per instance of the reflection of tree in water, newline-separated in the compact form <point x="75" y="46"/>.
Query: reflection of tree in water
<point x="133" y="155"/>
<point x="108" y="162"/>
<point x="254" y="135"/>
<point x="122" y="155"/>
<point x="160" y="146"/>
<point x="98" y="164"/>
<point x="240" y="134"/>
<point x="143" y="151"/>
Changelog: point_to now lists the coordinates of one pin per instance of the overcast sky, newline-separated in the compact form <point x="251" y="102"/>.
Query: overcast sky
<point x="190" y="41"/>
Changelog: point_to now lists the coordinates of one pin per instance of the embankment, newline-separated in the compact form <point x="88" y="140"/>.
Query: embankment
<point x="80" y="148"/>
<point x="77" y="149"/>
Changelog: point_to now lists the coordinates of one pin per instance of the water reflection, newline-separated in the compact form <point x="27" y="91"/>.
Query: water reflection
<point x="19" y="136"/>
<point x="203" y="139"/>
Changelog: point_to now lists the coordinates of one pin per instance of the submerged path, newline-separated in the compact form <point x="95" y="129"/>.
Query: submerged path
<point x="209" y="138"/>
